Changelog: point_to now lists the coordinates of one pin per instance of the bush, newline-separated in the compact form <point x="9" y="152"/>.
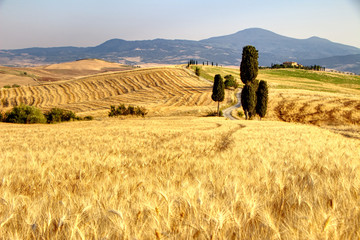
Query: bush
<point x="31" y="114"/>
<point x="24" y="114"/>
<point x="88" y="118"/>
<point x="7" y="86"/>
<point x="240" y="113"/>
<point x="214" y="113"/>
<point x="230" y="82"/>
<point x="15" y="85"/>
<point x="57" y="115"/>
<point x="121" y="110"/>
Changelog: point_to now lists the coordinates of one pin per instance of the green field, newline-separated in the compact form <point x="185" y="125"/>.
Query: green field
<point x="293" y="79"/>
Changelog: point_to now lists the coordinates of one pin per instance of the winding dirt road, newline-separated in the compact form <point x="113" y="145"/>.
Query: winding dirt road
<point x="227" y="112"/>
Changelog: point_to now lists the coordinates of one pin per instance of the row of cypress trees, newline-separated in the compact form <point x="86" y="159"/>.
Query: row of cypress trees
<point x="254" y="96"/>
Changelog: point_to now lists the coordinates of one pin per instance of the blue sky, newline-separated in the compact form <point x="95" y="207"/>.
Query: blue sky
<point x="50" y="23"/>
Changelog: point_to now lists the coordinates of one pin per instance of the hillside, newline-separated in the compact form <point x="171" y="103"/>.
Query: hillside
<point x="224" y="50"/>
<point x="159" y="89"/>
<point x="308" y="97"/>
<point x="348" y="63"/>
<point x="56" y="72"/>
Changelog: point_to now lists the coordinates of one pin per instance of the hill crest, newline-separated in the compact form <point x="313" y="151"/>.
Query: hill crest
<point x="224" y="50"/>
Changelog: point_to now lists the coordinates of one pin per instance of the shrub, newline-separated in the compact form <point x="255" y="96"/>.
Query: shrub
<point x="7" y="86"/>
<point x="24" y="114"/>
<point x="15" y="85"/>
<point x="230" y="82"/>
<point x="88" y="118"/>
<point x="121" y="110"/>
<point x="140" y="111"/>
<point x="214" y="113"/>
<point x="240" y="113"/>
<point x="57" y="115"/>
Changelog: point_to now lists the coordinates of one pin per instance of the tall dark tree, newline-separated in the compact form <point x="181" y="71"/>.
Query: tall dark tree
<point x="249" y="64"/>
<point x="262" y="99"/>
<point x="197" y="71"/>
<point x="248" y="100"/>
<point x="218" y="93"/>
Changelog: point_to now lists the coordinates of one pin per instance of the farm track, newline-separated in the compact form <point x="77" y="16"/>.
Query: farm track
<point x="155" y="87"/>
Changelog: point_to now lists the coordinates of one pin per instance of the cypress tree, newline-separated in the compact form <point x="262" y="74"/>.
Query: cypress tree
<point x="262" y="99"/>
<point x="248" y="100"/>
<point x="218" y="93"/>
<point x="249" y="64"/>
<point x="197" y="71"/>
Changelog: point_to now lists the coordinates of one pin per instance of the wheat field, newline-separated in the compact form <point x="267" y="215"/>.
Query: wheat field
<point x="178" y="178"/>
<point x="170" y="176"/>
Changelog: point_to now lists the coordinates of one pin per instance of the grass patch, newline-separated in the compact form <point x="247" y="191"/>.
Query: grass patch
<point x="313" y="75"/>
<point x="292" y="78"/>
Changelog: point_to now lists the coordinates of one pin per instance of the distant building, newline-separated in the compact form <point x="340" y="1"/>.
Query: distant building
<point x="290" y="64"/>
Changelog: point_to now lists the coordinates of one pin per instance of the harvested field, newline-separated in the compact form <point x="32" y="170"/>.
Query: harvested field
<point x="60" y="71"/>
<point x="158" y="88"/>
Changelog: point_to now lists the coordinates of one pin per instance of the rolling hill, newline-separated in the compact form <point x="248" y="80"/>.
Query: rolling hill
<point x="158" y="89"/>
<point x="348" y="63"/>
<point x="225" y="50"/>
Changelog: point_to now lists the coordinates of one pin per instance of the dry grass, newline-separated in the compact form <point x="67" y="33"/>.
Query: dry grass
<point x="176" y="178"/>
<point x="314" y="108"/>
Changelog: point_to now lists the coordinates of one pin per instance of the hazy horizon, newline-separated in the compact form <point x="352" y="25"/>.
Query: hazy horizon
<point x="44" y="23"/>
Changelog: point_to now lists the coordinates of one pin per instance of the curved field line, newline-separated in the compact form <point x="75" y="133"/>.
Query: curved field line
<point x="158" y="86"/>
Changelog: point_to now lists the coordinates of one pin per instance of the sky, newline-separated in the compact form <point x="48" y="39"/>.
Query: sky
<point x="85" y="23"/>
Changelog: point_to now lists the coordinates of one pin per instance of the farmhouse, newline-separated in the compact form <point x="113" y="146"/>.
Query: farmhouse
<point x="291" y="64"/>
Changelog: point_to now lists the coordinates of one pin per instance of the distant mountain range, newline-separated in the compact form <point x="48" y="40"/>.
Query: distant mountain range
<point x="224" y="50"/>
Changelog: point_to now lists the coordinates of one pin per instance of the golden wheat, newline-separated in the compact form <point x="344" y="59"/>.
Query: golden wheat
<point x="178" y="178"/>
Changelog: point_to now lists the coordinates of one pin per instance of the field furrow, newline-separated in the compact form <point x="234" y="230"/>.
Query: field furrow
<point x="155" y="87"/>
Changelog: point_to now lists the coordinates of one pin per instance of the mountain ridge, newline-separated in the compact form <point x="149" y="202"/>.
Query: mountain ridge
<point x="224" y="50"/>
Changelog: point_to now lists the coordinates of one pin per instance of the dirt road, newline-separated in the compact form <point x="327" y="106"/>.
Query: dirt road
<point x="227" y="112"/>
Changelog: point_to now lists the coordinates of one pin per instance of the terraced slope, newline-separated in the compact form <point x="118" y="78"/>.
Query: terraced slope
<point x="158" y="87"/>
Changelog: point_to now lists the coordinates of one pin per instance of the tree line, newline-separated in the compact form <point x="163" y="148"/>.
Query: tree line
<point x="312" y="67"/>
<point x="195" y="62"/>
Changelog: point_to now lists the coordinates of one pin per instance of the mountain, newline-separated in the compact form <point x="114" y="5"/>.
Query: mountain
<point x="225" y="50"/>
<point x="274" y="48"/>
